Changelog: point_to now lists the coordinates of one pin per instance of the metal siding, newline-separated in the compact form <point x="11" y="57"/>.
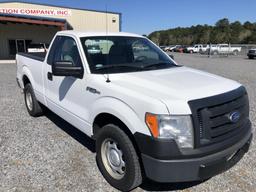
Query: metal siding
<point x="83" y="20"/>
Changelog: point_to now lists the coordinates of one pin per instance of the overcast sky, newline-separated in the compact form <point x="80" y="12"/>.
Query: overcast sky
<point x="145" y="16"/>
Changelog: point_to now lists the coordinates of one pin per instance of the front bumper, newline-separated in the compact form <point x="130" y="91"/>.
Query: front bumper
<point x="183" y="168"/>
<point x="251" y="54"/>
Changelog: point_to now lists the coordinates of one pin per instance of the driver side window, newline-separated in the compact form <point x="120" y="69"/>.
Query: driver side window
<point x="67" y="50"/>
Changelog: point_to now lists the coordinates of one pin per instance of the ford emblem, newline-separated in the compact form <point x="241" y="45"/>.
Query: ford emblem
<point x="234" y="116"/>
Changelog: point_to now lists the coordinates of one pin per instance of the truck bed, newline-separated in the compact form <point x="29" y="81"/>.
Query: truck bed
<point x="35" y="56"/>
<point x="31" y="65"/>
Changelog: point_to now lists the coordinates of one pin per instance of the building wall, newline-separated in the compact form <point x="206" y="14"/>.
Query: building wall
<point x="79" y="19"/>
<point x="36" y="33"/>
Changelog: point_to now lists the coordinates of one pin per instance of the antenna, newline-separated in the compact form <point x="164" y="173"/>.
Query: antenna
<point x="106" y="19"/>
<point x="107" y="56"/>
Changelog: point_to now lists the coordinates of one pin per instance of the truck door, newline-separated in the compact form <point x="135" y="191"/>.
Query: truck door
<point x="196" y="49"/>
<point x="224" y="49"/>
<point x="66" y="95"/>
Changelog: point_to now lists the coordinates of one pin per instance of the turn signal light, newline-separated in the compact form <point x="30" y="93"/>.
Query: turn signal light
<point x="152" y="123"/>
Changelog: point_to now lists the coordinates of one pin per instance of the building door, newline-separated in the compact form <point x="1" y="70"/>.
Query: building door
<point x="20" y="46"/>
<point x="12" y="48"/>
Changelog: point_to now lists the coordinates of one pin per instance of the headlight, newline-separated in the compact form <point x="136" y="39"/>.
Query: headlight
<point x="177" y="127"/>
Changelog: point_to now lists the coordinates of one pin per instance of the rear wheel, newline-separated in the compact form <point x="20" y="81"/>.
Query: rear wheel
<point x="117" y="158"/>
<point x="33" y="106"/>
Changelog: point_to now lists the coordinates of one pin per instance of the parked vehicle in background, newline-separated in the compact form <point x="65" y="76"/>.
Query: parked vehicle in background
<point x="93" y="49"/>
<point x="170" y="48"/>
<point x="251" y="53"/>
<point x="195" y="49"/>
<point x="208" y="49"/>
<point x="38" y="47"/>
<point x="179" y="48"/>
<point x="225" y="49"/>
<point x="204" y="49"/>
<point x="149" y="116"/>
<point x="163" y="47"/>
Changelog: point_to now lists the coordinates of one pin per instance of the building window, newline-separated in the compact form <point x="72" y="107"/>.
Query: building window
<point x="18" y="46"/>
<point x="12" y="47"/>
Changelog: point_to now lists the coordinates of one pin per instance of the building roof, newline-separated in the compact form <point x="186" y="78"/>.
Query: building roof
<point x="27" y="18"/>
<point x="58" y="6"/>
<point x="33" y="17"/>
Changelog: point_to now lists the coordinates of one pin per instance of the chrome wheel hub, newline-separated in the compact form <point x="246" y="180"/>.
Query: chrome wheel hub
<point x="112" y="158"/>
<point x="29" y="101"/>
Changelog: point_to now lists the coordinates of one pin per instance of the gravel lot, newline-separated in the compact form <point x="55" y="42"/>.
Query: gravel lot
<point x="48" y="154"/>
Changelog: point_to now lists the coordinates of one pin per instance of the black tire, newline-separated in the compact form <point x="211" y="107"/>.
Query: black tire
<point x="35" y="109"/>
<point x="215" y="52"/>
<point x="132" y="176"/>
<point x="250" y="57"/>
<point x="235" y="52"/>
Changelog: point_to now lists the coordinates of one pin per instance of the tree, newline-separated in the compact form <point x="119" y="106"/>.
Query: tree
<point x="248" y="25"/>
<point x="222" y="32"/>
<point x="222" y="23"/>
<point x="236" y="30"/>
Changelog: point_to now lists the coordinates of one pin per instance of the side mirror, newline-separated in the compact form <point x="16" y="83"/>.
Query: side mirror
<point x="171" y="56"/>
<point x="67" y="68"/>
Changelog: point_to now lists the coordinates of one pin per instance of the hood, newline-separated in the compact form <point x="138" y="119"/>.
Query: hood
<point x="175" y="86"/>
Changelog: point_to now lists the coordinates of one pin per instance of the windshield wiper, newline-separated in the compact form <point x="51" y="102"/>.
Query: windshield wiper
<point x="118" y="66"/>
<point x="157" y="65"/>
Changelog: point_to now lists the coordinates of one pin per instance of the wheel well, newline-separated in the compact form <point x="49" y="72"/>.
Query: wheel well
<point x="105" y="118"/>
<point x="25" y="80"/>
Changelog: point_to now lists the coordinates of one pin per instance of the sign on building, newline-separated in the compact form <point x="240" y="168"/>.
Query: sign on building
<point x="38" y="12"/>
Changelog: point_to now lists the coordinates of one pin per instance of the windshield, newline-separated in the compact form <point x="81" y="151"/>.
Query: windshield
<point x="115" y="54"/>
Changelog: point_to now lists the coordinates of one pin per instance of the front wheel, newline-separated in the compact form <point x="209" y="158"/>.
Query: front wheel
<point x="215" y="53"/>
<point x="235" y="52"/>
<point x="117" y="158"/>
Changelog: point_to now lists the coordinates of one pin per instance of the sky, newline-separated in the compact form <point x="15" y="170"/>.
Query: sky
<point x="146" y="16"/>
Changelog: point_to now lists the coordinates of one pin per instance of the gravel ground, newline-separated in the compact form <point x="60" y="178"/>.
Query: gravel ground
<point x="48" y="154"/>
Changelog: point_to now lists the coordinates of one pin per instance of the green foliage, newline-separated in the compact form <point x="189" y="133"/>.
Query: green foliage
<point x="222" y="32"/>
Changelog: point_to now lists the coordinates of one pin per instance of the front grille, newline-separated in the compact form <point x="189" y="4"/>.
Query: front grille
<point x="212" y="116"/>
<point x="251" y="51"/>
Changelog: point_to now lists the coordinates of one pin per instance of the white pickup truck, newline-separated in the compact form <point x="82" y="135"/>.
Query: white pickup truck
<point x="225" y="49"/>
<point x="150" y="117"/>
<point x="195" y="49"/>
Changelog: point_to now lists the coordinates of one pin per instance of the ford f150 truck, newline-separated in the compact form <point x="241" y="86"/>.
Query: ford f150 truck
<point x="224" y="49"/>
<point x="195" y="49"/>
<point x="149" y="116"/>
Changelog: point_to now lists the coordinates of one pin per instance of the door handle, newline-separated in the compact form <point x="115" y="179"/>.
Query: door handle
<point x="49" y="76"/>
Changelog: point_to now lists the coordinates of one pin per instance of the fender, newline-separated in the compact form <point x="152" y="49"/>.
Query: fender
<point x="26" y="72"/>
<point x="121" y="110"/>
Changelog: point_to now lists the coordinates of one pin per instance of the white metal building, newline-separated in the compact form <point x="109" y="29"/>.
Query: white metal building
<point x="23" y="23"/>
